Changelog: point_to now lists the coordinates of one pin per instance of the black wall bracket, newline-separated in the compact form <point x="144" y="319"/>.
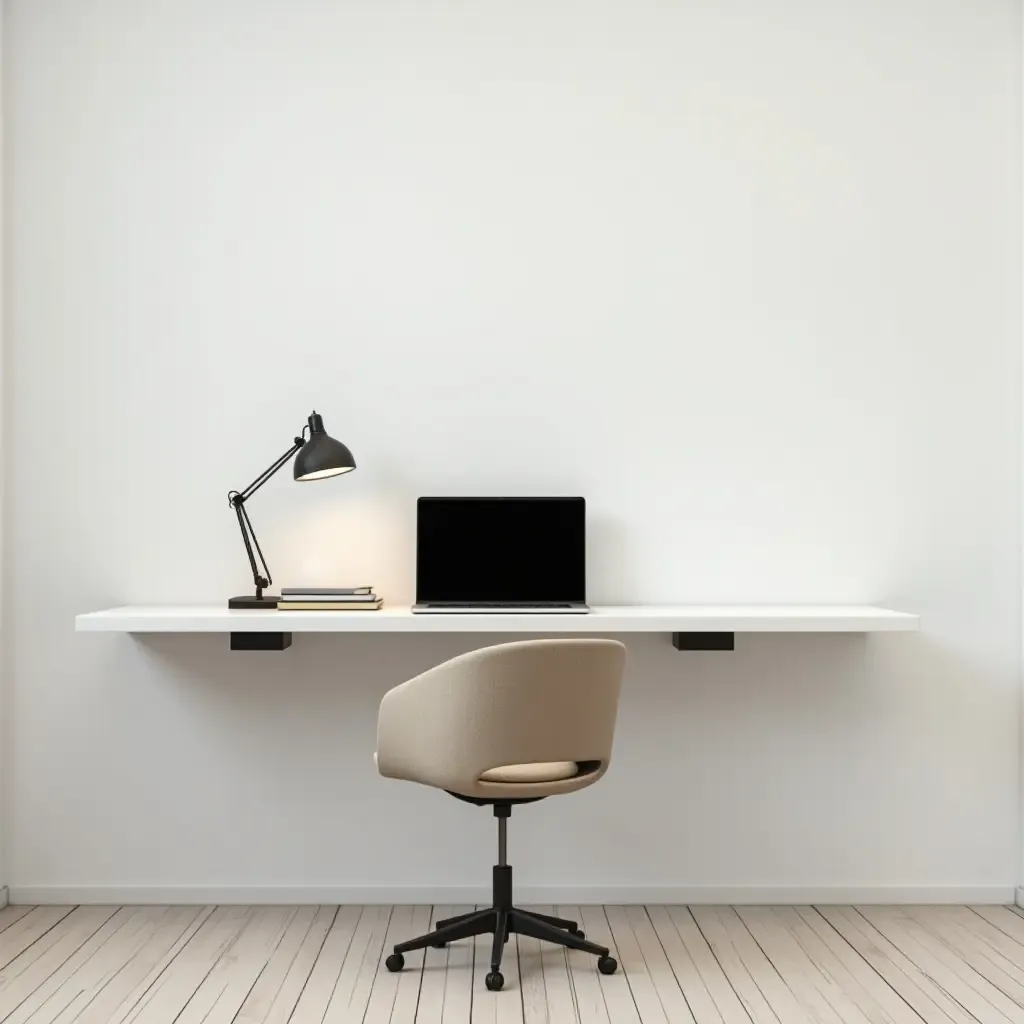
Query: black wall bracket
<point x="260" y="641"/>
<point x="704" y="641"/>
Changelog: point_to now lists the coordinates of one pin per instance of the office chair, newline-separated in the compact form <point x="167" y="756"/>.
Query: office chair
<point x="497" y="727"/>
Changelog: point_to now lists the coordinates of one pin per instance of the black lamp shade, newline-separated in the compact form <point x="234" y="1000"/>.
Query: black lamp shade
<point x="321" y="456"/>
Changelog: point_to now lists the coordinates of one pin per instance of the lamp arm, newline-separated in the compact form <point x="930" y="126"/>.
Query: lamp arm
<point x="261" y="581"/>
<point x="267" y="473"/>
<point x="237" y="499"/>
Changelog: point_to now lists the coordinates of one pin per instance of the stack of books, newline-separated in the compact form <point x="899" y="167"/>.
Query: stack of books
<point x="328" y="599"/>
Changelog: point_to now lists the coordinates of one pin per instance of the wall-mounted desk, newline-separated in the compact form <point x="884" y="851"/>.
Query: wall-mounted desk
<point x="693" y="627"/>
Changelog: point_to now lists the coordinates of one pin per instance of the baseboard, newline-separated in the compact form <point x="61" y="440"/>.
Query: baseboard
<point x="526" y="894"/>
<point x="1019" y="897"/>
<point x="4" y="897"/>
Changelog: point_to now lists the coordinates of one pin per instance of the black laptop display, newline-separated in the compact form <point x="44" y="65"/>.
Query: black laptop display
<point x="500" y="554"/>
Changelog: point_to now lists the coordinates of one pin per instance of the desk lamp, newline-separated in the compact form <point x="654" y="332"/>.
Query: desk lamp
<point x="319" y="457"/>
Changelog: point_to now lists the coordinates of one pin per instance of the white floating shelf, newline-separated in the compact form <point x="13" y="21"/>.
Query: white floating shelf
<point x="703" y="619"/>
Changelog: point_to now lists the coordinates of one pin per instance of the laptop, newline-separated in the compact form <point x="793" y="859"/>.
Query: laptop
<point x="501" y="555"/>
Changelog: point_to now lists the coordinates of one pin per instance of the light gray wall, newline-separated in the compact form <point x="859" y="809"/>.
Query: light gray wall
<point x="745" y="275"/>
<point x="4" y="659"/>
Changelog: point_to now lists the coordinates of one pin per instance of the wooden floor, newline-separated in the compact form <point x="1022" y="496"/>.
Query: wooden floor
<point x="678" y="965"/>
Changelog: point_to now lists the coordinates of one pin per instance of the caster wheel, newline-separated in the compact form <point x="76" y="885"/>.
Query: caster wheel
<point x="607" y="964"/>
<point x="494" y="981"/>
<point x="395" y="962"/>
<point x="579" y="933"/>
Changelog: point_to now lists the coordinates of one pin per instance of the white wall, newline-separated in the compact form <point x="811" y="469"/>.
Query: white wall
<point x="747" y="275"/>
<point x="4" y="661"/>
<point x="1020" y="888"/>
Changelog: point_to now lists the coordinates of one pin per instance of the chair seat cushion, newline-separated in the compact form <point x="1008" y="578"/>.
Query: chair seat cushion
<point x="543" y="771"/>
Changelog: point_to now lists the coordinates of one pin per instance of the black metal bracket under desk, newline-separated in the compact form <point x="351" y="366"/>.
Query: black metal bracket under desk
<point x="260" y="641"/>
<point x="704" y="641"/>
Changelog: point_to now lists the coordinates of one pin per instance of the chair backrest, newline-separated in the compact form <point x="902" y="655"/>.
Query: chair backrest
<point x="517" y="703"/>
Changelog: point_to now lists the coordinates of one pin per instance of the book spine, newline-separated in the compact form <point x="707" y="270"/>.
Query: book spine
<point x="327" y="592"/>
<point x="303" y="606"/>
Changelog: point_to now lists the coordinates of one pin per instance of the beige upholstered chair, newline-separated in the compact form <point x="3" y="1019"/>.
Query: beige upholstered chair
<point x="501" y="726"/>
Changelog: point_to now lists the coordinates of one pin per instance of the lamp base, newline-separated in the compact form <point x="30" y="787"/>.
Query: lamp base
<point x="268" y="602"/>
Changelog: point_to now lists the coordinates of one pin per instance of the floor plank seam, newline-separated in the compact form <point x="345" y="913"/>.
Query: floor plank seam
<point x="270" y="955"/>
<point x="70" y="956"/>
<point x="1016" y="911"/>
<point x="771" y="963"/>
<point x="320" y="949"/>
<point x="622" y="966"/>
<point x="928" y="974"/>
<point x="38" y="938"/>
<point x="700" y="931"/>
<point x="842" y="938"/>
<point x="718" y="959"/>
<point x="672" y="970"/>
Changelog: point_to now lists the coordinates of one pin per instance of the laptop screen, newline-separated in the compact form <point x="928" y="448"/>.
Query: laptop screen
<point x="501" y="549"/>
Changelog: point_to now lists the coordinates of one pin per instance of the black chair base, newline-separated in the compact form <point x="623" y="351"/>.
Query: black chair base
<point x="501" y="924"/>
<point x="502" y="920"/>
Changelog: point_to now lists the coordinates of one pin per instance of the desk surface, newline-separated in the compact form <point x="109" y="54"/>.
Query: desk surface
<point x="398" y="619"/>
